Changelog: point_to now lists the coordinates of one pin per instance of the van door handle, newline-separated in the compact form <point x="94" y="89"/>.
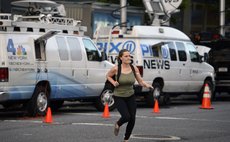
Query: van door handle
<point x="183" y="64"/>
<point x="87" y="72"/>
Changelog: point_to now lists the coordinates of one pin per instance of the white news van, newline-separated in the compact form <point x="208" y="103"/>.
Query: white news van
<point x="165" y="56"/>
<point x="45" y="60"/>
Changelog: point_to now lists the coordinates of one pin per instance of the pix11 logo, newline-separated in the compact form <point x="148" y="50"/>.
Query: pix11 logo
<point x="130" y="46"/>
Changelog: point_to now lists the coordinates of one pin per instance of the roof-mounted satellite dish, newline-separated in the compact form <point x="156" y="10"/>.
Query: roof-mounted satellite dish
<point x="160" y="11"/>
<point x="38" y="3"/>
<point x="171" y="5"/>
<point x="36" y="7"/>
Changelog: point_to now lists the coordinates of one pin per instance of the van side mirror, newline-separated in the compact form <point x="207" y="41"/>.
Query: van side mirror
<point x="103" y="56"/>
<point x="206" y="57"/>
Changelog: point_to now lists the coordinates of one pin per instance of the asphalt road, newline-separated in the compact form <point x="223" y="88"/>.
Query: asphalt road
<point x="182" y="121"/>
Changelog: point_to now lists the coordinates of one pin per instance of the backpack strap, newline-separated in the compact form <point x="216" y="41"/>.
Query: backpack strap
<point x="134" y="72"/>
<point x="118" y="72"/>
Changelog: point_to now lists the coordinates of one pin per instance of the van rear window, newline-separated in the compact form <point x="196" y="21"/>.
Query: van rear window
<point x="62" y="48"/>
<point x="181" y="51"/>
<point x="172" y="51"/>
<point x="75" y="49"/>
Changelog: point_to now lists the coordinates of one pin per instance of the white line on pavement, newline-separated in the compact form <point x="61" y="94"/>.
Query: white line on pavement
<point x="93" y="124"/>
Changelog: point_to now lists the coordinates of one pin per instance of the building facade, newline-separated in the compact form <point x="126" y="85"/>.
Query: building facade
<point x="196" y="15"/>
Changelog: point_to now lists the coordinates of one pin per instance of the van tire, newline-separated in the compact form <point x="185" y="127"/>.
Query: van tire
<point x="100" y="101"/>
<point x="164" y="99"/>
<point x="39" y="102"/>
<point x="212" y="94"/>
<point x="149" y="98"/>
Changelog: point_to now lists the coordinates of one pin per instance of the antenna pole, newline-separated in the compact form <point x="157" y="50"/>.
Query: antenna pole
<point x="222" y="17"/>
<point x="123" y="4"/>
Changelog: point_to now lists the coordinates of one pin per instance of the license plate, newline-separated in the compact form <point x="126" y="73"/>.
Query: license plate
<point x="223" y="69"/>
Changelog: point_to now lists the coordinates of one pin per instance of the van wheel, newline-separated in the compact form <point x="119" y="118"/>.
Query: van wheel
<point x="106" y="96"/>
<point x="164" y="99"/>
<point x="157" y="91"/>
<point x="39" y="102"/>
<point x="210" y="87"/>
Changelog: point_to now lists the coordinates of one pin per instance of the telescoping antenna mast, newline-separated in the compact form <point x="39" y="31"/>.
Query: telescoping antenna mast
<point x="222" y="17"/>
<point x="123" y="4"/>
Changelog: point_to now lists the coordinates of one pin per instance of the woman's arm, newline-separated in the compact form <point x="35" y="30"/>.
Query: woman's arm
<point x="110" y="74"/>
<point x="140" y="80"/>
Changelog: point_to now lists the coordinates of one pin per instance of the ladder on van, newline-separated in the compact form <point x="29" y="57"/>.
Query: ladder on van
<point x="40" y="23"/>
<point x="102" y="32"/>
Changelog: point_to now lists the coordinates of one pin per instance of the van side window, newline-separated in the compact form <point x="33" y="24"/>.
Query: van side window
<point x="91" y="50"/>
<point x="181" y="51"/>
<point x="172" y="51"/>
<point x="62" y="48"/>
<point x="194" y="55"/>
<point x="75" y="49"/>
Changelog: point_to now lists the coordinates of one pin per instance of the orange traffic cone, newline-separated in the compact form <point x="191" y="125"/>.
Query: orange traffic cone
<point x="48" y="118"/>
<point x="206" y="102"/>
<point x="156" y="107"/>
<point x="106" y="111"/>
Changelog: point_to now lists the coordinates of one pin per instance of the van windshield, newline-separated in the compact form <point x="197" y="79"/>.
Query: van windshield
<point x="91" y="50"/>
<point x="194" y="55"/>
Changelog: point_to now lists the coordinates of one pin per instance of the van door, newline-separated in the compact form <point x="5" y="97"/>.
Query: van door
<point x="183" y="68"/>
<point x="196" y="69"/>
<point x="173" y="82"/>
<point x="78" y="67"/>
<point x="41" y="53"/>
<point x="64" y="81"/>
<point x="41" y="60"/>
<point x="96" y="69"/>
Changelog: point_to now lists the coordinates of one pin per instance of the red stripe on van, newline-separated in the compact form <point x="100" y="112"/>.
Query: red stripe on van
<point x="140" y="68"/>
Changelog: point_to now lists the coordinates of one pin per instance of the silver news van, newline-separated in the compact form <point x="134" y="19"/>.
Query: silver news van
<point x="165" y="56"/>
<point x="45" y="60"/>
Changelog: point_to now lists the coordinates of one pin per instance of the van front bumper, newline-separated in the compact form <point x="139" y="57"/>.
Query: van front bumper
<point x="222" y="86"/>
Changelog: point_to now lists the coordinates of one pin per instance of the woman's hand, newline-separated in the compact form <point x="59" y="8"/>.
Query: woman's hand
<point x="149" y="86"/>
<point x="115" y="84"/>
